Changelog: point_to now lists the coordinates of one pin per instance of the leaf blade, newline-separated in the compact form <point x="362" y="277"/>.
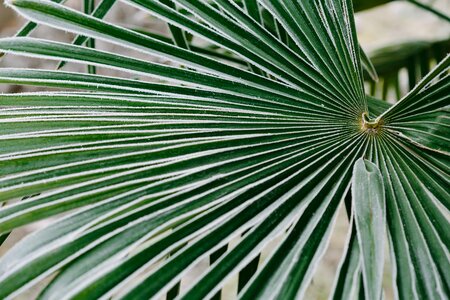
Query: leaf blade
<point x="369" y="211"/>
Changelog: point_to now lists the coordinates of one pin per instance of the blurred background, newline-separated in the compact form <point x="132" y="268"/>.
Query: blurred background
<point x="393" y="23"/>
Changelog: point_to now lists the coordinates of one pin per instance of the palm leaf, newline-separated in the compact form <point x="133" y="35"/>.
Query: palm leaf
<point x="415" y="58"/>
<point x="142" y="180"/>
<point x="367" y="4"/>
<point x="369" y="215"/>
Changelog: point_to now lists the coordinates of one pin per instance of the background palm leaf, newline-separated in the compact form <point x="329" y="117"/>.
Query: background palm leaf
<point x="410" y="59"/>
<point x="228" y="148"/>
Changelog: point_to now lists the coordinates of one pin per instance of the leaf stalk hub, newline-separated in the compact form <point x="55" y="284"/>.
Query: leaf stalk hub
<point x="369" y="125"/>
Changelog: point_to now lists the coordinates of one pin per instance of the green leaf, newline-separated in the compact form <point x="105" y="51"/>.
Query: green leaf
<point x="29" y="27"/>
<point x="422" y="116"/>
<point x="415" y="57"/>
<point x="368" y="65"/>
<point x="368" y="203"/>
<point x="178" y="34"/>
<point x="366" y="4"/>
<point x="99" y="12"/>
<point x="249" y="134"/>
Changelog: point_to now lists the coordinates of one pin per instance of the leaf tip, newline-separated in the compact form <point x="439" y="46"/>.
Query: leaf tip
<point x="60" y="65"/>
<point x="366" y="165"/>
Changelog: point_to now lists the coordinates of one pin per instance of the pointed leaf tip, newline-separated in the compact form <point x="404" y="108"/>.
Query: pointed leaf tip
<point x="368" y="199"/>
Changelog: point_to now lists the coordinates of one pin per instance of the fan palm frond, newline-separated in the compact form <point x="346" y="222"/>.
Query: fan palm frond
<point x="141" y="180"/>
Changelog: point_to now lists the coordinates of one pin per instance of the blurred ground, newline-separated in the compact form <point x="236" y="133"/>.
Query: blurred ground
<point x="392" y="23"/>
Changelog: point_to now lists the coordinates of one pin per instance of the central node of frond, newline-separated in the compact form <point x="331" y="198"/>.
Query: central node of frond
<point x="370" y="126"/>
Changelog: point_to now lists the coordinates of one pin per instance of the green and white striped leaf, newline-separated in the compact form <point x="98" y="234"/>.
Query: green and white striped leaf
<point x="233" y="144"/>
<point x="369" y="213"/>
